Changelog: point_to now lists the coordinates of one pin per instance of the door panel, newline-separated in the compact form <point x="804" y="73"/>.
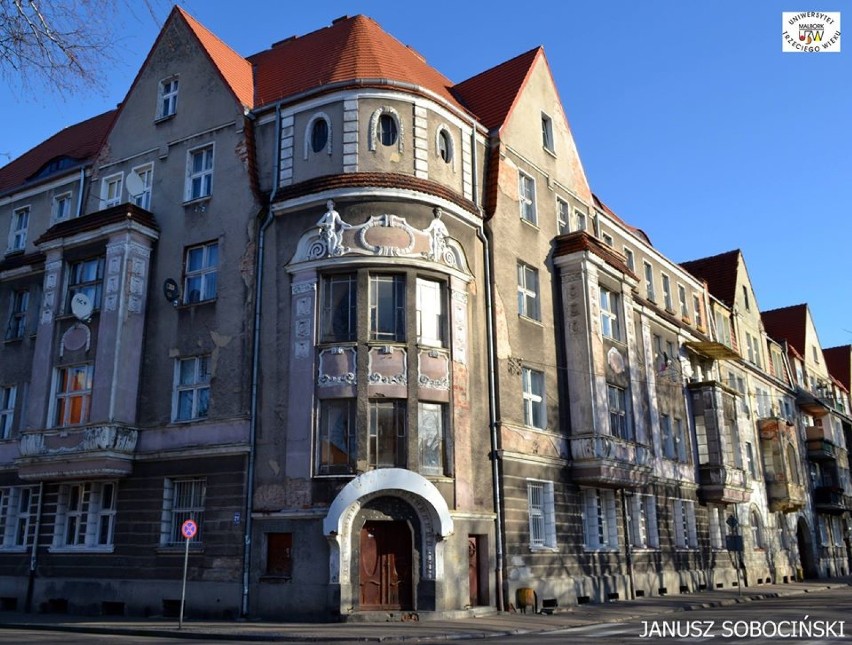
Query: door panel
<point x="385" y="567"/>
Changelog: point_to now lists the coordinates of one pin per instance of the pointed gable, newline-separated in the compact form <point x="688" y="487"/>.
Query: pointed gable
<point x="351" y="49"/>
<point x="491" y="94"/>
<point x="638" y="232"/>
<point x="788" y="323"/>
<point x="78" y="143"/>
<point x="235" y="70"/>
<point x="719" y="272"/>
<point x="839" y="363"/>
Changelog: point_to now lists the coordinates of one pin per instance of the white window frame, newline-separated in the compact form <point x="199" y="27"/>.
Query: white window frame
<point x="610" y="320"/>
<point x="644" y="531"/>
<point x="547" y="140"/>
<point x="18" y="307"/>
<point x="18" y="512"/>
<point x="183" y="499"/>
<point x="204" y="176"/>
<point x="685" y="533"/>
<point x="582" y="220"/>
<point x="526" y="195"/>
<point x="668" y="302"/>
<point x="18" y="228"/>
<point x="145" y="172"/>
<point x="61" y="207"/>
<point x="696" y="308"/>
<point x="607" y="239"/>
<point x="167" y="97"/>
<point x="532" y="386"/>
<point x="681" y="296"/>
<point x="62" y="398"/>
<point x="431" y="313"/>
<point x="758" y="536"/>
<point x="630" y="258"/>
<point x="112" y="189"/>
<point x="600" y="522"/>
<point x="8" y="394"/>
<point x="563" y="215"/>
<point x="529" y="302"/>
<point x="619" y="420"/>
<point x="650" y="290"/>
<point x="196" y="387"/>
<point x="81" y="527"/>
<point x="542" y="515"/>
<point x="206" y="275"/>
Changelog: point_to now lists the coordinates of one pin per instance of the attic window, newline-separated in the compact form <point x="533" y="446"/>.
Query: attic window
<point x="319" y="135"/>
<point x="445" y="145"/>
<point x="167" y="98"/>
<point x="387" y="130"/>
<point x="547" y="133"/>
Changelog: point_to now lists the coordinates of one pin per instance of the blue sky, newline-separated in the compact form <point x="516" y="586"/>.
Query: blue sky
<point x="690" y="121"/>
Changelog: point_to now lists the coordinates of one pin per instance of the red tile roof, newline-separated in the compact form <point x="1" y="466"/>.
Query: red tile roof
<point x="839" y="363"/>
<point x="638" y="232"/>
<point x="351" y="49"/>
<point x="787" y="323"/>
<point x="235" y="70"/>
<point x="79" y="142"/>
<point x="491" y="95"/>
<point x="720" y="273"/>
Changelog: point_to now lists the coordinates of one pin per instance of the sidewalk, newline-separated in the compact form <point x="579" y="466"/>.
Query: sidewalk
<point x="495" y="624"/>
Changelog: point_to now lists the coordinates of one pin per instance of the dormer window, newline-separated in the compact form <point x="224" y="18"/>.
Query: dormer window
<point x="167" y="98"/>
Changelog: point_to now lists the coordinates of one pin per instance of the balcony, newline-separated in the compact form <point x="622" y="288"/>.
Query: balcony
<point x="604" y="460"/>
<point x="783" y="495"/>
<point x="830" y="499"/>
<point x="100" y="450"/>
<point x="820" y="448"/>
<point x="722" y="484"/>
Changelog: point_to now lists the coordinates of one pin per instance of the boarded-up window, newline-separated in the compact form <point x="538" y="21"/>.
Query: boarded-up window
<point x="279" y="554"/>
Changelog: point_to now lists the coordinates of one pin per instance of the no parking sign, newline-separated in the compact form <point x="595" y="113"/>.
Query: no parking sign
<point x="188" y="529"/>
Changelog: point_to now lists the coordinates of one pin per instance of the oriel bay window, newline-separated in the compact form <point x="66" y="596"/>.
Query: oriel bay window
<point x="73" y="395"/>
<point x="431" y="424"/>
<point x="338" y="321"/>
<point x="86" y="277"/>
<point x="336" y="444"/>
<point x="430" y="313"/>
<point x="387" y="439"/>
<point x="387" y="308"/>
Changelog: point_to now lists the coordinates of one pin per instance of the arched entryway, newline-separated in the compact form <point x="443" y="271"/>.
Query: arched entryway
<point x="806" y="553"/>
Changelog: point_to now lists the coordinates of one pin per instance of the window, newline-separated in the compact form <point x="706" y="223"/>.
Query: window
<point x="18" y="314"/>
<point x="199" y="173"/>
<point x="62" y="207"/>
<point x="542" y="515"/>
<point x="644" y="533"/>
<point x="667" y="436"/>
<point x="111" y="190"/>
<point x="388" y="131"/>
<point x="86" y="277"/>
<point x="684" y="524"/>
<point x="85" y="515"/>
<point x="18" y="513"/>
<point x="667" y="293"/>
<point x="387" y="434"/>
<point x="319" y="135"/>
<point x="718" y="527"/>
<point x="201" y="273"/>
<point x="562" y="214"/>
<point x="746" y="301"/>
<point x="528" y="292"/>
<point x="336" y="443"/>
<point x="431" y="427"/>
<point x="526" y="191"/>
<point x="792" y="466"/>
<point x="723" y="328"/>
<point x="387" y="307"/>
<point x="607" y="239"/>
<point x="681" y="296"/>
<point x="837" y="530"/>
<point x="73" y="397"/>
<point x="753" y="348"/>
<point x="610" y="327"/>
<point x="7" y="410"/>
<point x="430" y="313"/>
<point x="146" y="180"/>
<point x="751" y="465"/>
<point x="167" y="98"/>
<point x="192" y="388"/>
<point x="681" y="446"/>
<point x="338" y="308"/>
<point x="445" y="145"/>
<point x="532" y="382"/>
<point x="815" y="352"/>
<point x="18" y="231"/>
<point x="822" y="524"/>
<point x="183" y="499"/>
<point x="649" y="282"/>
<point x="279" y="555"/>
<point x="547" y="133"/>
<point x="630" y="259"/>
<point x="756" y="529"/>
<point x="599" y="519"/>
<point x="581" y="220"/>
<point x="696" y="309"/>
<point x="618" y="424"/>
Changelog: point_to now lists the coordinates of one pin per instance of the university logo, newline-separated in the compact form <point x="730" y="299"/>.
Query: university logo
<point x="810" y="31"/>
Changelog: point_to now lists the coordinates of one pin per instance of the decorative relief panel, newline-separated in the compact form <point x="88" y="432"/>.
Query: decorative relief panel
<point x="433" y="372"/>
<point x="460" y="324"/>
<point x="337" y="366"/>
<point x="388" y="371"/>
<point x="382" y="235"/>
<point x="51" y="280"/>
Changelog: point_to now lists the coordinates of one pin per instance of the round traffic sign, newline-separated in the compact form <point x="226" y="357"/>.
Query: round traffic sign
<point x="188" y="529"/>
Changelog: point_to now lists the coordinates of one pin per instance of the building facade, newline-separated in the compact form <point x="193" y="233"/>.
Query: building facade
<point x="374" y="333"/>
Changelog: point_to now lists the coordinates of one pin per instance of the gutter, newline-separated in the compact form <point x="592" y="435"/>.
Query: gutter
<point x="255" y="370"/>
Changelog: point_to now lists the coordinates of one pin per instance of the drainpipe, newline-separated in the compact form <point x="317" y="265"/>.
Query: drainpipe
<point x="80" y="192"/>
<point x="492" y="396"/>
<point x="28" y="604"/>
<point x="255" y="369"/>
<point x="628" y="539"/>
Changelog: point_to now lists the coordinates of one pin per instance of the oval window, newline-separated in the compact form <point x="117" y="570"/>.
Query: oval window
<point x="319" y="135"/>
<point x="444" y="146"/>
<point x="387" y="130"/>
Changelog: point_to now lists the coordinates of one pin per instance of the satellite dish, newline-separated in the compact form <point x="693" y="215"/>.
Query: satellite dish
<point x="135" y="185"/>
<point x="81" y="306"/>
<point x="171" y="291"/>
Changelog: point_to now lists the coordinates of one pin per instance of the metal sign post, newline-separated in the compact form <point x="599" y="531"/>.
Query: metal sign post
<point x="188" y="529"/>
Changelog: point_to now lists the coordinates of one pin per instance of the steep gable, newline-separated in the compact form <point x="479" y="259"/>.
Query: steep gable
<point x="839" y="363"/>
<point x="720" y="274"/>
<point x="788" y="323"/>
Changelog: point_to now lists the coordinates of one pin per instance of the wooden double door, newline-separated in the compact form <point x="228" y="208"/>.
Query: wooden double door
<point x="387" y="580"/>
